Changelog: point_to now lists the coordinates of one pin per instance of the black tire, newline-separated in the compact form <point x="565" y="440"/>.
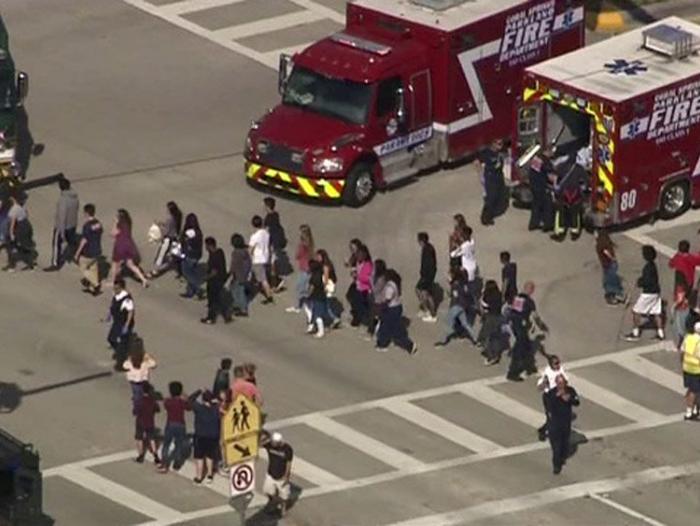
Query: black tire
<point x="359" y="186"/>
<point x="675" y="200"/>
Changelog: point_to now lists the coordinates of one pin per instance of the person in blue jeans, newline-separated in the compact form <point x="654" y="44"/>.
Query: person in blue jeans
<point x="175" y="433"/>
<point x="391" y="327"/>
<point x="461" y="302"/>
<point x="192" y="246"/>
<point x="612" y="284"/>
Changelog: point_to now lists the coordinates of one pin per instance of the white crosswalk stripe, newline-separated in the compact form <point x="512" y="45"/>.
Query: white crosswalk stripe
<point x="191" y="6"/>
<point x="268" y="25"/>
<point x="504" y="404"/>
<point x="651" y="371"/>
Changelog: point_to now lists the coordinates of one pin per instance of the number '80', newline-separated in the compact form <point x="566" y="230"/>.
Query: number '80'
<point x="628" y="200"/>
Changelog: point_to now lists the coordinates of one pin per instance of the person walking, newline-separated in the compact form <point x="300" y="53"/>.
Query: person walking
<point x="561" y="403"/>
<point x="461" y="302"/>
<point x="362" y="273"/>
<point x="65" y="224"/>
<point x="649" y="301"/>
<point x="125" y="252"/>
<point x="681" y="313"/>
<point x="493" y="181"/>
<point x="425" y="288"/>
<point x="259" y="246"/>
<point x="138" y="367"/>
<point x="175" y="433"/>
<point x="466" y="251"/>
<point x="304" y="253"/>
<point x="377" y="297"/>
<point x="509" y="277"/>
<point x="391" y="326"/>
<point x="89" y="251"/>
<point x="279" y="468"/>
<point x="318" y="304"/>
<point x="547" y="383"/>
<point x="278" y="243"/>
<point x="170" y="230"/>
<point x="20" y="246"/>
<point x="684" y="264"/>
<point x="540" y="174"/>
<point x="145" y="434"/>
<point x="612" y="284"/>
<point x="216" y="279"/>
<point x="454" y="240"/>
<point x="122" y="317"/>
<point x="206" y="434"/>
<point x="241" y="266"/>
<point x="690" y="362"/>
<point x="350" y="263"/>
<point x="222" y="379"/>
<point x="192" y="242"/>
<point x="330" y="281"/>
<point x="491" y="336"/>
<point x="523" y="314"/>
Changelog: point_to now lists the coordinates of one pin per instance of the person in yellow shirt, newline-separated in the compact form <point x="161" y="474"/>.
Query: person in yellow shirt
<point x="690" y="360"/>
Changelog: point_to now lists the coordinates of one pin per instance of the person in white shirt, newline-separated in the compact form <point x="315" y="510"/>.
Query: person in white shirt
<point x="547" y="383"/>
<point x="467" y="252"/>
<point x="138" y="368"/>
<point x="259" y="246"/>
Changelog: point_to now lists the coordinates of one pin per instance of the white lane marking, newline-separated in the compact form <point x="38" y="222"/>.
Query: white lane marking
<point x="90" y="462"/>
<point x="291" y="50"/>
<point x="644" y="239"/>
<point x="201" y="32"/>
<point x="625" y="509"/>
<point x="122" y="495"/>
<point x="551" y="496"/>
<point x="641" y="233"/>
<point x="612" y="401"/>
<point x="505" y="404"/>
<point x="267" y="25"/>
<point x="441" y="427"/>
<point x="308" y="471"/>
<point x="190" y="6"/>
<point x="654" y="372"/>
<point x="322" y="10"/>
<point x="367" y="445"/>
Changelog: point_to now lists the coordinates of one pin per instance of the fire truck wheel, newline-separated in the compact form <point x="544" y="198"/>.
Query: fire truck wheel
<point x="359" y="186"/>
<point x="675" y="200"/>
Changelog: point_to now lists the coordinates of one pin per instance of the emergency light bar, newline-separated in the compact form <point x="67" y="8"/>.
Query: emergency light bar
<point x="360" y="43"/>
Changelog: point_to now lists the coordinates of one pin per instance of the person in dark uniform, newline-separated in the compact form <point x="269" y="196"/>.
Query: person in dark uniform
<point x="493" y="180"/>
<point x="568" y="201"/>
<point x="540" y="172"/>
<point x="216" y="278"/>
<point x="522" y="314"/>
<point x="425" y="288"/>
<point x="122" y="316"/>
<point x="559" y="426"/>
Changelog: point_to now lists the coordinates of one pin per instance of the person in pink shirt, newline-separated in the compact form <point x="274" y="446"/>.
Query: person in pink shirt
<point x="304" y="253"/>
<point x="242" y="385"/>
<point x="360" y="304"/>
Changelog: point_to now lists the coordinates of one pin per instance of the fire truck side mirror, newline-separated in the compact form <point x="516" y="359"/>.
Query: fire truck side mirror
<point x="400" y="106"/>
<point x="22" y="86"/>
<point x="285" y="70"/>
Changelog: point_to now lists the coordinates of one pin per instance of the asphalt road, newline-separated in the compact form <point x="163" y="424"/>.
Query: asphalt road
<point x="138" y="110"/>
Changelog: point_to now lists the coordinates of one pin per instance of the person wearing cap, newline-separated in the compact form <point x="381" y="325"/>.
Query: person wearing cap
<point x="279" y="468"/>
<point x="690" y="361"/>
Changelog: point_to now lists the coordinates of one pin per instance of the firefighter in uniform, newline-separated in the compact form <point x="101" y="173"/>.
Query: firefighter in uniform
<point x="568" y="201"/>
<point x="541" y="212"/>
<point x="495" y="192"/>
<point x="691" y="371"/>
<point x="561" y="404"/>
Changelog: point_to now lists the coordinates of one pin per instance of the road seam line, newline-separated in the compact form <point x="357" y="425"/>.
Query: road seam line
<point x="625" y="509"/>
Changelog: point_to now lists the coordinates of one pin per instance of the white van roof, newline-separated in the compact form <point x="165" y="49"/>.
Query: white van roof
<point x="622" y="67"/>
<point x="446" y="15"/>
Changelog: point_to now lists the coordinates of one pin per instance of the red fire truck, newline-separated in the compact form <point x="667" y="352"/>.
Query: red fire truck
<point x="408" y="85"/>
<point x="631" y="102"/>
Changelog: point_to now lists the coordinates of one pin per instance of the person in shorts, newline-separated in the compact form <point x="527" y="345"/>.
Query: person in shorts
<point x="279" y="468"/>
<point x="259" y="246"/>
<point x="206" y="435"/>
<point x="649" y="301"/>
<point x="145" y="411"/>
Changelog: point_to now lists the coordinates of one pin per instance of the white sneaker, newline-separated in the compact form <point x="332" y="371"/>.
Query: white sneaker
<point x="421" y="314"/>
<point x="429" y="319"/>
<point x="381" y="349"/>
<point x="310" y="328"/>
<point x="293" y="310"/>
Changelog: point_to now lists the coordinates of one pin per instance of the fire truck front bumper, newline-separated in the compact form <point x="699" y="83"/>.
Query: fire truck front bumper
<point x="320" y="189"/>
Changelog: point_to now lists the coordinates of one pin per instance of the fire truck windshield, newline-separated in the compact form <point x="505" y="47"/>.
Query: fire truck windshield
<point x="337" y="98"/>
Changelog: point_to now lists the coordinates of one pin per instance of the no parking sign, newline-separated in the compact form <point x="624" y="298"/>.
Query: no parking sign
<point x="242" y="478"/>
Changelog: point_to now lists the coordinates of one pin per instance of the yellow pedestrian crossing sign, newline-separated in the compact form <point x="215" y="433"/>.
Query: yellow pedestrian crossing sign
<point x="240" y="430"/>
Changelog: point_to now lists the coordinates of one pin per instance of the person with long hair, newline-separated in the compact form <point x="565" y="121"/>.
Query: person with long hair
<point x="612" y="284"/>
<point x="192" y="242"/>
<point x="304" y="254"/>
<point x="391" y="326"/>
<point x="454" y="239"/>
<point x="460" y="304"/>
<point x="350" y="262"/>
<point x="490" y="334"/>
<point x="170" y="230"/>
<point x="360" y="305"/>
<point x="466" y="251"/>
<point x="330" y="282"/>
<point x="241" y="266"/>
<point x="317" y="301"/>
<point x="377" y="298"/>
<point x="138" y="367"/>
<point x="125" y="252"/>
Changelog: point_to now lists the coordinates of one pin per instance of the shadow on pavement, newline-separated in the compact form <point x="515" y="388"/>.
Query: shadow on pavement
<point x="11" y="394"/>
<point x="266" y="516"/>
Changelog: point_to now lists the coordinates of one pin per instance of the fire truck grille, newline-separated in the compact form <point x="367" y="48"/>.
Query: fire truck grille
<point x="283" y="158"/>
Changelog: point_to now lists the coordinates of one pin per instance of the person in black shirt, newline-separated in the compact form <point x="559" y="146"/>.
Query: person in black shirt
<point x="216" y="277"/>
<point x="522" y="314"/>
<point x="318" y="301"/>
<point x="493" y="181"/>
<point x="278" y="242"/>
<point x="559" y="425"/>
<point x="539" y="173"/>
<point x="649" y="301"/>
<point x="491" y="335"/>
<point x="89" y="251"/>
<point x="122" y="316"/>
<point x="279" y="468"/>
<point x="425" y="288"/>
<point x="509" y="278"/>
<point x="191" y="253"/>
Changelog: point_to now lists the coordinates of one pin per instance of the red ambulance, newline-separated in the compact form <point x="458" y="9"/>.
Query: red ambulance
<point x="407" y="86"/>
<point x="633" y="103"/>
